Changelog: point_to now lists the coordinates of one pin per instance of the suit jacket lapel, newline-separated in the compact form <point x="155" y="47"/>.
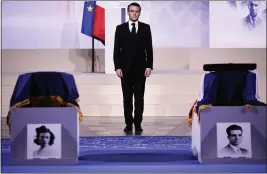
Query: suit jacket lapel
<point x="126" y="28"/>
<point x="139" y="28"/>
<point x="230" y="147"/>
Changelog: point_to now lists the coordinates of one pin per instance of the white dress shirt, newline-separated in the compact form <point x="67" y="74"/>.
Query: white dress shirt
<point x="255" y="19"/>
<point x="130" y="25"/>
<point x="236" y="149"/>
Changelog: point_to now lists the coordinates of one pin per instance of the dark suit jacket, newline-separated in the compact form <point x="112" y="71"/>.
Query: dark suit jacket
<point x="248" y="22"/>
<point x="229" y="151"/>
<point x="128" y="49"/>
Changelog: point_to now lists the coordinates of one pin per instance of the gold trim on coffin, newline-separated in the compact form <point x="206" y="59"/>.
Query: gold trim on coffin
<point x="57" y="98"/>
<point x="248" y="107"/>
<point x="61" y="101"/>
<point x="202" y="107"/>
<point x="190" y="115"/>
<point x="17" y="105"/>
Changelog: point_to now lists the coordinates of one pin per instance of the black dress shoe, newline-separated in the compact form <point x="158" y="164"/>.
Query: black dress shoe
<point x="138" y="129"/>
<point x="128" y="129"/>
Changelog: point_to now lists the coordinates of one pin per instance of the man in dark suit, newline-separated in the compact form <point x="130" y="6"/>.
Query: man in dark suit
<point x="252" y="20"/>
<point x="234" y="134"/>
<point x="133" y="60"/>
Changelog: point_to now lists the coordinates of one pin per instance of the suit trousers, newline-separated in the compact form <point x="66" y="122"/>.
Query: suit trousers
<point x="133" y="85"/>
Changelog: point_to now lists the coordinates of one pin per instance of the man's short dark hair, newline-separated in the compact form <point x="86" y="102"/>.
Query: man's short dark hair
<point x="43" y="129"/>
<point x="233" y="127"/>
<point x="134" y="4"/>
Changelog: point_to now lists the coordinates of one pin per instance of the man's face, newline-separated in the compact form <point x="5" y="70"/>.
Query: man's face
<point x="44" y="138"/>
<point x="235" y="137"/>
<point x="134" y="13"/>
<point x="253" y="7"/>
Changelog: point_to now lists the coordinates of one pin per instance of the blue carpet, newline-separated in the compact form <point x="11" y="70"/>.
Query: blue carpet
<point x="126" y="142"/>
<point x="133" y="154"/>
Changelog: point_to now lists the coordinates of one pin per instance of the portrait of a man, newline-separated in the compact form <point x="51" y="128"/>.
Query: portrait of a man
<point x="253" y="20"/>
<point x="232" y="149"/>
<point x="45" y="140"/>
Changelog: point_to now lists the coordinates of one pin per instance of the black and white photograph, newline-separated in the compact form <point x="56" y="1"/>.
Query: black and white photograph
<point x="234" y="140"/>
<point x="252" y="12"/>
<point x="43" y="141"/>
<point x="253" y="19"/>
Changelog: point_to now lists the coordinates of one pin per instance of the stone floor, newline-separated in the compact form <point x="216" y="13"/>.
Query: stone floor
<point x="113" y="126"/>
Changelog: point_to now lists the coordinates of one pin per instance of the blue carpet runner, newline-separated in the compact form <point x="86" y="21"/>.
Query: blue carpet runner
<point x="127" y="142"/>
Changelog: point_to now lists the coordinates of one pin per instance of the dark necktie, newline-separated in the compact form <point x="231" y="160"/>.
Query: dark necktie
<point x="253" y="22"/>
<point x="133" y="29"/>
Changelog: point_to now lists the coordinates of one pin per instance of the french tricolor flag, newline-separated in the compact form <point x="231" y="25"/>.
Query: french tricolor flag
<point x="93" y="21"/>
<point x="123" y="15"/>
<point x="97" y="17"/>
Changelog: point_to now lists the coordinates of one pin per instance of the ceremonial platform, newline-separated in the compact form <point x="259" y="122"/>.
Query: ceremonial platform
<point x="165" y="145"/>
<point x="170" y="91"/>
<point x="168" y="99"/>
<point x="59" y="117"/>
<point x="167" y="93"/>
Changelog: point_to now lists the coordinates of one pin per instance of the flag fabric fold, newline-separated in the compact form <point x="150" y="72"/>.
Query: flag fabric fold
<point x="93" y="21"/>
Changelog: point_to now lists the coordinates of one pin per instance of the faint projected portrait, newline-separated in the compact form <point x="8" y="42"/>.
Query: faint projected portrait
<point x="237" y="24"/>
<point x="46" y="141"/>
<point x="234" y="147"/>
<point x="252" y="20"/>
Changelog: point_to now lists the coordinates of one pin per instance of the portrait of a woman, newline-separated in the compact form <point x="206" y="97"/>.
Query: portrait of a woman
<point x="45" y="140"/>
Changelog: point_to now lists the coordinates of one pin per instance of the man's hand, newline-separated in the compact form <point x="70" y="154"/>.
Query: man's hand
<point x="119" y="73"/>
<point x="147" y="72"/>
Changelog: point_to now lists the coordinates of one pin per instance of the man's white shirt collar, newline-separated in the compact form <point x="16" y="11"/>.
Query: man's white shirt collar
<point x="130" y="25"/>
<point x="236" y="148"/>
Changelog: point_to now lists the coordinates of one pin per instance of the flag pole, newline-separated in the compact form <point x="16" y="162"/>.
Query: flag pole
<point x="93" y="49"/>
<point x="93" y="54"/>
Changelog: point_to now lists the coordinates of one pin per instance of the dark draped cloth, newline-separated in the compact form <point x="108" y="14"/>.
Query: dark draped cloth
<point x="251" y="96"/>
<point x="229" y="88"/>
<point x="208" y="91"/>
<point x="39" y="85"/>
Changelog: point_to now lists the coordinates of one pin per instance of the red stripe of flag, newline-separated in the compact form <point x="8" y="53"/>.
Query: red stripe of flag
<point x="99" y="23"/>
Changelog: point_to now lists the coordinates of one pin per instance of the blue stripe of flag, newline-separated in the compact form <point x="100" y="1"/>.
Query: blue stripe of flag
<point x="88" y="18"/>
<point x="123" y="15"/>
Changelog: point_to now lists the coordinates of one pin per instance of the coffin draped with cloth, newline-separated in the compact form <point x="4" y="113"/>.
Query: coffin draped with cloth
<point x="45" y="89"/>
<point x="224" y="85"/>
